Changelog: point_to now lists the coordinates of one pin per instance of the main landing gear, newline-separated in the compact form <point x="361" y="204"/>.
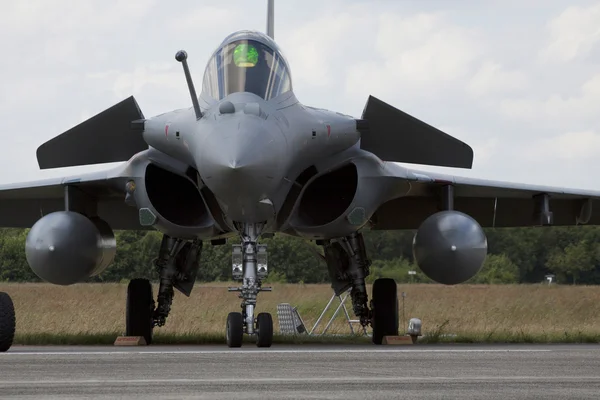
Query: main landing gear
<point x="249" y="261"/>
<point x="177" y="265"/>
<point x="7" y="322"/>
<point x="348" y="267"/>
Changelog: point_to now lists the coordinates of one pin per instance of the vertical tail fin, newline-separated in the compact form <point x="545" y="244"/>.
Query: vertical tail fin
<point x="271" y="19"/>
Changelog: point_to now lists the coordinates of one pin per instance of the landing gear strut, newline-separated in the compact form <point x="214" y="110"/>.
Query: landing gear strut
<point x="348" y="267"/>
<point x="177" y="266"/>
<point x="250" y="266"/>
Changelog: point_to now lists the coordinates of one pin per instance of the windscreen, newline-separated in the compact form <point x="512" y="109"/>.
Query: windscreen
<point x="246" y="65"/>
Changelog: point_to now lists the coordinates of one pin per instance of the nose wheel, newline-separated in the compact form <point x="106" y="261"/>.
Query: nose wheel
<point x="263" y="330"/>
<point x="235" y="329"/>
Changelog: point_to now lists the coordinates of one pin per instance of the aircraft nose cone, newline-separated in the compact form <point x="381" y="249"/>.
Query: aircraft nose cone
<point x="242" y="167"/>
<point x="225" y="157"/>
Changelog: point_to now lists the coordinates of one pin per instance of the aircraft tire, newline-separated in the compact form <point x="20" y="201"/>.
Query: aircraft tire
<point x="264" y="330"/>
<point x="235" y="329"/>
<point x="139" y="310"/>
<point x="385" y="309"/>
<point x="7" y="322"/>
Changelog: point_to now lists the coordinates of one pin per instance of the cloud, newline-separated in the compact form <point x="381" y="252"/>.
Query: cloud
<point x="64" y="16"/>
<point x="492" y="79"/>
<point x="570" y="147"/>
<point x="164" y="76"/>
<point x="557" y="110"/>
<point x="573" y="34"/>
<point x="422" y="53"/>
<point x="24" y="92"/>
<point x="203" y="18"/>
<point x="317" y="45"/>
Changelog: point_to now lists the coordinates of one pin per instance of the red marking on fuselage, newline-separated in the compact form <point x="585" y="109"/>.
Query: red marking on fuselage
<point x="167" y="130"/>
<point x="328" y="130"/>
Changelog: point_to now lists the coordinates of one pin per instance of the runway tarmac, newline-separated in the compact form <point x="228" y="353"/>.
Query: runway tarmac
<point x="303" y="372"/>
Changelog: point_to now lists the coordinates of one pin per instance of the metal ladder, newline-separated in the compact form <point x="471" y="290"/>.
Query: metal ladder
<point x="290" y="321"/>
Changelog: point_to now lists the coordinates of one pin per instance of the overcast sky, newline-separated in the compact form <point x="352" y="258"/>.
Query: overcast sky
<point x="517" y="80"/>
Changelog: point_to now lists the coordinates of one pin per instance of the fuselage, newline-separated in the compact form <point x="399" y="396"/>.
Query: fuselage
<point x="249" y="151"/>
<point x="253" y="140"/>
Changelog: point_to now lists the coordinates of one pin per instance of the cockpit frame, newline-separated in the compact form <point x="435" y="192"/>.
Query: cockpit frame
<point x="263" y="70"/>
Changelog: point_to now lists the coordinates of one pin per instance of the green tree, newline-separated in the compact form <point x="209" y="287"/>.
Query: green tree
<point x="531" y="253"/>
<point x="13" y="263"/>
<point x="497" y="268"/>
<point x="298" y="259"/>
<point x="396" y="269"/>
<point x="573" y="260"/>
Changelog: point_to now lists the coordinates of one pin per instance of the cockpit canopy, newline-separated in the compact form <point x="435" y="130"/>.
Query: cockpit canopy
<point x="247" y="61"/>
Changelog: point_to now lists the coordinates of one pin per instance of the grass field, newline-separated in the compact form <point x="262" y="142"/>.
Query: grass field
<point x="95" y="313"/>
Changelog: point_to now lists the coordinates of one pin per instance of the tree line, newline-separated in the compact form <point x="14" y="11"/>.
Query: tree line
<point x="515" y="255"/>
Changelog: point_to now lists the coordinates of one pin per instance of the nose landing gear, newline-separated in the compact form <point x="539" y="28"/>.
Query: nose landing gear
<point x="249" y="261"/>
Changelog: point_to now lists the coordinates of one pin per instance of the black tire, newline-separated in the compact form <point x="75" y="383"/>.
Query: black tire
<point x="139" y="309"/>
<point x="7" y="322"/>
<point x="235" y="329"/>
<point x="264" y="330"/>
<point x="385" y="309"/>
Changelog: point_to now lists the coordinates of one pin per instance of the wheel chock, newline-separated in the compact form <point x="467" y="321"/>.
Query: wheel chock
<point x="130" y="341"/>
<point x="397" y="340"/>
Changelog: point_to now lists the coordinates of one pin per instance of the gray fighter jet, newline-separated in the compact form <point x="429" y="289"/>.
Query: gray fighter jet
<point x="249" y="160"/>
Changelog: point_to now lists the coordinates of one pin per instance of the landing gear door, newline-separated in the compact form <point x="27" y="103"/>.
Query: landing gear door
<point x="188" y="263"/>
<point x="261" y="260"/>
<point x="237" y="262"/>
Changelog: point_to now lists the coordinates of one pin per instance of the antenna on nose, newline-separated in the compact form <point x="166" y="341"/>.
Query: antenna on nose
<point x="181" y="56"/>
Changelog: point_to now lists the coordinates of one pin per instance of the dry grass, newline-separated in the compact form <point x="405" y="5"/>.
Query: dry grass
<point x="474" y="312"/>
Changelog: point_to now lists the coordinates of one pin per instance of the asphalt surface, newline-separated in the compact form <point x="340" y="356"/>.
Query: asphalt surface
<point x="303" y="372"/>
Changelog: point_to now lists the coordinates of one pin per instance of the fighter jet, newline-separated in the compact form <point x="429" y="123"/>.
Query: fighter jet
<point x="247" y="161"/>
